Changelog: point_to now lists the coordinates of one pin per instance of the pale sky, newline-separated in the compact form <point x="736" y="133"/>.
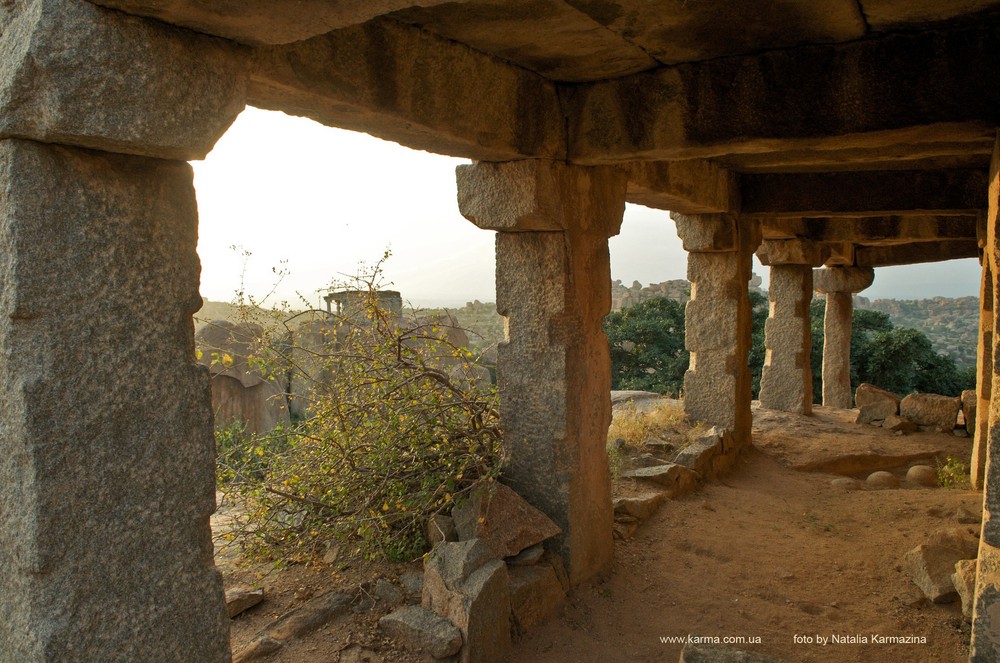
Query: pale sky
<point x="316" y="201"/>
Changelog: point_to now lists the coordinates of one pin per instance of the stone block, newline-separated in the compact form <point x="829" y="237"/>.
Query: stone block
<point x="939" y="412"/>
<point x="418" y="628"/>
<point x="105" y="468"/>
<point x="535" y="595"/>
<point x="142" y="87"/>
<point x="964" y="580"/>
<point x="843" y="279"/>
<point x="502" y="520"/>
<point x="930" y="568"/>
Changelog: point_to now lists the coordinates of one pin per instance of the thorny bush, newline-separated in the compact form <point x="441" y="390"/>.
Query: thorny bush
<point x="393" y="426"/>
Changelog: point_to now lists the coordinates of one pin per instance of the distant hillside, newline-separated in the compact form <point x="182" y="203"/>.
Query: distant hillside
<point x="951" y="324"/>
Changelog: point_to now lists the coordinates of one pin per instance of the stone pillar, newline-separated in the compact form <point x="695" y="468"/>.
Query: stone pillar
<point x="839" y="285"/>
<point x="553" y="222"/>
<point x="786" y="380"/>
<point x="107" y="470"/>
<point x="717" y="320"/>
<point x="107" y="476"/>
<point x="984" y="377"/>
<point x="985" y="645"/>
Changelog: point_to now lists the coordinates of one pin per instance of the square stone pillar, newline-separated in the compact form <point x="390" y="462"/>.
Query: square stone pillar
<point x="786" y="379"/>
<point x="717" y="327"/>
<point x="839" y="285"/>
<point x="554" y="366"/>
<point x="107" y="472"/>
<point x="984" y="377"/>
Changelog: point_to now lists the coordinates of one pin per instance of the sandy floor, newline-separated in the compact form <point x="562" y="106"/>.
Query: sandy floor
<point x="771" y="555"/>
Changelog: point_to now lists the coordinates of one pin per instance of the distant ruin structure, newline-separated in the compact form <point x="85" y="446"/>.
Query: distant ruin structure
<point x="865" y="129"/>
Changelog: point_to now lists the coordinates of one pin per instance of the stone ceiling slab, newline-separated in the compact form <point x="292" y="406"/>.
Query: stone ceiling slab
<point x="675" y="31"/>
<point x="258" y="22"/>
<point x="547" y="37"/>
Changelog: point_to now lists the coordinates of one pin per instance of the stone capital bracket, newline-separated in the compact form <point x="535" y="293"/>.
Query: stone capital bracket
<point x="842" y="279"/>
<point x="792" y="252"/>
<point x="717" y="233"/>
<point x="537" y="195"/>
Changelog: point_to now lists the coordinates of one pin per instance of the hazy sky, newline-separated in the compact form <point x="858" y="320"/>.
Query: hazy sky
<point x="317" y="201"/>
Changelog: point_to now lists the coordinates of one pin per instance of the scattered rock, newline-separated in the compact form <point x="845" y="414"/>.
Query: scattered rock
<point x="898" y="424"/>
<point x="418" y="628"/>
<point x="441" y="528"/>
<point x="922" y="475"/>
<point x="970" y="403"/>
<point x="527" y="557"/>
<point x="242" y="598"/>
<point x="846" y="483"/>
<point x="939" y="412"/>
<point x="882" y="479"/>
<point x="535" y="595"/>
<point x="389" y="593"/>
<point x="639" y="506"/>
<point x="702" y="653"/>
<point x="301" y="621"/>
<point x="869" y="394"/>
<point x="503" y="520"/>
<point x="964" y="580"/>
<point x="930" y="568"/>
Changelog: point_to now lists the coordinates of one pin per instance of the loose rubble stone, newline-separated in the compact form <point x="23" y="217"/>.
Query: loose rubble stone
<point x="930" y="568"/>
<point x="882" y="479"/>
<point x="639" y="506"/>
<point x="898" y="424"/>
<point x="939" y="412"/>
<point x="527" y="557"/>
<point x="535" y="595"/>
<point x="704" y="653"/>
<point x="964" y="580"/>
<point x="503" y="520"/>
<point x="922" y="475"/>
<point x="240" y="599"/>
<point x="419" y="628"/>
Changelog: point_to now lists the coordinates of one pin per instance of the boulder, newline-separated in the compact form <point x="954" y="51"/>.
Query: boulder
<point x="969" y="404"/>
<point x="869" y="394"/>
<point x="535" y="595"/>
<point x="930" y="568"/>
<point x="939" y="412"/>
<point x="964" y="580"/>
<point x="503" y="520"/>
<point x="922" y="475"/>
<point x="882" y="479"/>
<point x="416" y="627"/>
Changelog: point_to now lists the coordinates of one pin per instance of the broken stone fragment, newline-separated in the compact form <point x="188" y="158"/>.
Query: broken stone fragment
<point x="241" y="598"/>
<point x="415" y="627"/>
<point x="503" y="520"/>
<point x="939" y="412"/>
<point x="930" y="568"/>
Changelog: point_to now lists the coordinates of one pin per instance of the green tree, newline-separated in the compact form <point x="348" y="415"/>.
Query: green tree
<point x="647" y="346"/>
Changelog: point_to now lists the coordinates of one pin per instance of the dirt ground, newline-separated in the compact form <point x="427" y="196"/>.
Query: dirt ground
<point x="776" y="556"/>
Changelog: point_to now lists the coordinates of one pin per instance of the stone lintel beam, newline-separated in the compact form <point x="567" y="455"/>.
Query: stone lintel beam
<point x="77" y="74"/>
<point x="792" y="252"/>
<point x="871" y="193"/>
<point x="843" y="279"/>
<point x="887" y="229"/>
<point x="404" y="84"/>
<point x="843" y="99"/>
<point x="259" y="22"/>
<point x="536" y="195"/>
<point x="554" y="365"/>
<point x="916" y="252"/>
<point x="694" y="186"/>
<point x="716" y="233"/>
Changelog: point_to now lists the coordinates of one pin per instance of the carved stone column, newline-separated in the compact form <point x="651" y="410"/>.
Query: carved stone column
<point x="717" y="320"/>
<point x="839" y="285"/>
<point x="107" y="474"/>
<point x="553" y="222"/>
<point x="786" y="380"/>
